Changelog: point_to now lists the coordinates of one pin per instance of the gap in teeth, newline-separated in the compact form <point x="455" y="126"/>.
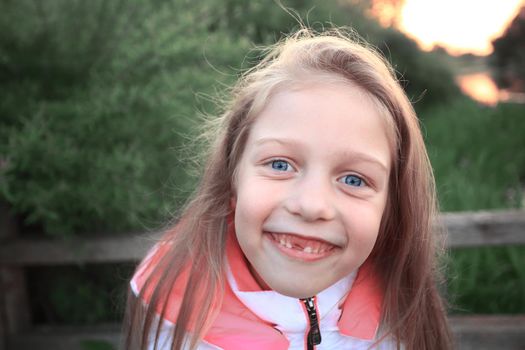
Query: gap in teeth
<point x="311" y="250"/>
<point x="314" y="248"/>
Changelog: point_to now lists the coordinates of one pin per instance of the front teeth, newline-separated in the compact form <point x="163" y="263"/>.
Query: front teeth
<point x="313" y="248"/>
<point x="306" y="249"/>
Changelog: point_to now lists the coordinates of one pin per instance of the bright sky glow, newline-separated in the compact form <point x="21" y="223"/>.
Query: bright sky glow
<point x="459" y="25"/>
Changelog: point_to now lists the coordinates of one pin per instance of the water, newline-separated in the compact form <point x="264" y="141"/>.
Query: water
<point x="482" y="88"/>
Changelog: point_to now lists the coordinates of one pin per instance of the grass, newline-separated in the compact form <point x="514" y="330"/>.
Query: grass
<point x="488" y="280"/>
<point x="478" y="156"/>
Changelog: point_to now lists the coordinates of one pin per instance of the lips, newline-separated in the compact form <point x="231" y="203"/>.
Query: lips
<point x="305" y="245"/>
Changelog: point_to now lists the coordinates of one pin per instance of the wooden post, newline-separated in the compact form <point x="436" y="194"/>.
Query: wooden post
<point x="14" y="307"/>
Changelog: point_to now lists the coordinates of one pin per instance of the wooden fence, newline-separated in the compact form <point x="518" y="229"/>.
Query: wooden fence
<point x="17" y="332"/>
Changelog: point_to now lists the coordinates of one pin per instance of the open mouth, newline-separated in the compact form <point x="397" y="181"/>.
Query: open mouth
<point x="301" y="247"/>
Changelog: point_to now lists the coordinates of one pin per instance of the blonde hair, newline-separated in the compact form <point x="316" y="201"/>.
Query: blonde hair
<point x="404" y="256"/>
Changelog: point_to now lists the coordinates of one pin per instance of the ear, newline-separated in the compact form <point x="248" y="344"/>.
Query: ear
<point x="233" y="202"/>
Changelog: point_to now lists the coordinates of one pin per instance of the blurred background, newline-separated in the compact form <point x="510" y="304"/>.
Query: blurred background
<point x="99" y="98"/>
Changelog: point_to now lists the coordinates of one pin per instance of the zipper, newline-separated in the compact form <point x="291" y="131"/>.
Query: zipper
<point x="314" y="333"/>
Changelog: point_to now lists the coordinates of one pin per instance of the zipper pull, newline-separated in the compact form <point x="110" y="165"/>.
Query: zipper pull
<point x="314" y="334"/>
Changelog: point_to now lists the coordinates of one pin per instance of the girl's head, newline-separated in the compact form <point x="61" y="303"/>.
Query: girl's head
<point x="320" y="160"/>
<point x="322" y="155"/>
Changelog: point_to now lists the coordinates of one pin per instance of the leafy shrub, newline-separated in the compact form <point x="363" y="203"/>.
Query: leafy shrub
<point x="97" y="97"/>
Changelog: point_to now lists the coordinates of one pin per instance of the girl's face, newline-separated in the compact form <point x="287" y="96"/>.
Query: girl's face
<point x="311" y="187"/>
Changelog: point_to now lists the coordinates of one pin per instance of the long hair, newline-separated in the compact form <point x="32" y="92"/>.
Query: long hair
<point x="405" y="254"/>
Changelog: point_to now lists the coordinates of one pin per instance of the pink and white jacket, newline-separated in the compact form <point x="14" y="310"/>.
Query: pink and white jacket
<point x="347" y="313"/>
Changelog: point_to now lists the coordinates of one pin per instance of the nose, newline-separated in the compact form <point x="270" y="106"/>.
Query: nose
<point x="311" y="198"/>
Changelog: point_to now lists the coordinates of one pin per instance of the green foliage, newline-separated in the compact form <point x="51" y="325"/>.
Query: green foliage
<point x="479" y="163"/>
<point x="96" y="99"/>
<point x="265" y="23"/>
<point x="473" y="150"/>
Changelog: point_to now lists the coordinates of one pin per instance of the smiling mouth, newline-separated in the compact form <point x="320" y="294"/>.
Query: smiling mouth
<point x="301" y="247"/>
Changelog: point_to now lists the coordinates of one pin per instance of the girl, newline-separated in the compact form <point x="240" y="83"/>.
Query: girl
<point x="311" y="227"/>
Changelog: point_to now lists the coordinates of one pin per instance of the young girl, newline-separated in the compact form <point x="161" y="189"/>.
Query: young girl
<point x="311" y="227"/>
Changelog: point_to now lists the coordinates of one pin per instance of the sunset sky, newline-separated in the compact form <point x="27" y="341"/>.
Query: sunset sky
<point x="459" y="25"/>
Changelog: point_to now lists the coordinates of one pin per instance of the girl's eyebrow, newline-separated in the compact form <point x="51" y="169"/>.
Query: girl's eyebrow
<point x="350" y="155"/>
<point x="362" y="157"/>
<point x="285" y="142"/>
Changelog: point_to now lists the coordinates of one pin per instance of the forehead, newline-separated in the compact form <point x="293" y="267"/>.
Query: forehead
<point x="337" y="116"/>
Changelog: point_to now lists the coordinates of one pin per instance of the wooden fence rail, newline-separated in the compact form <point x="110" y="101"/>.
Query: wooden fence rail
<point x="464" y="230"/>
<point x="467" y="229"/>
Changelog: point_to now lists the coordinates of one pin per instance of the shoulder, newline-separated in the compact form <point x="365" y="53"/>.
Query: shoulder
<point x="147" y="266"/>
<point x="157" y="289"/>
<point x="166" y="338"/>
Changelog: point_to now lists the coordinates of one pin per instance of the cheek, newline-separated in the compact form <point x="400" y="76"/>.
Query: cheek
<point x="253" y="206"/>
<point x="249" y="209"/>
<point x="254" y="195"/>
<point x="249" y="218"/>
<point x="363" y="225"/>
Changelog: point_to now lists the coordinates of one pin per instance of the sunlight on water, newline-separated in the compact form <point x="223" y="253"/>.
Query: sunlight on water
<point x="480" y="87"/>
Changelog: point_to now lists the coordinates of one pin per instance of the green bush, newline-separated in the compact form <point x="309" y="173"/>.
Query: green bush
<point x="97" y="96"/>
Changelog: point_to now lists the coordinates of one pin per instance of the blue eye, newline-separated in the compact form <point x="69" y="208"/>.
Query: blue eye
<point x="353" y="180"/>
<point x="280" y="165"/>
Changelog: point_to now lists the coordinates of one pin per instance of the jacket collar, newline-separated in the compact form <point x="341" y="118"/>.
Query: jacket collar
<point x="361" y="310"/>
